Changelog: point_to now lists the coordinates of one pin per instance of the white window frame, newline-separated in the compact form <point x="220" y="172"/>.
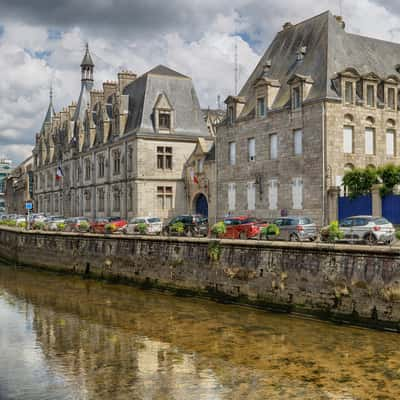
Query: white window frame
<point x="251" y="196"/>
<point x="369" y="141"/>
<point x="348" y="139"/>
<point x="232" y="153"/>
<point x="231" y="196"/>
<point x="298" y="142"/>
<point x="297" y="193"/>
<point x="273" y="146"/>
<point x="390" y="144"/>
<point x="273" y="194"/>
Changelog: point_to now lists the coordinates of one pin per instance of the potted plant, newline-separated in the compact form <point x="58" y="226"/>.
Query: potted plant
<point x="269" y="232"/>
<point x="178" y="228"/>
<point x="218" y="229"/>
<point x="141" y="227"/>
<point x="110" y="228"/>
<point x="39" y="225"/>
<point x="60" y="227"/>
<point x="21" y="225"/>
<point x="83" y="226"/>
<point x="331" y="233"/>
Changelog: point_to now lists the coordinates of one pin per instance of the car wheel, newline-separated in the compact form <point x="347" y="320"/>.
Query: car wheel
<point x="293" y="238"/>
<point x="242" y="236"/>
<point x="188" y="232"/>
<point x="370" y="239"/>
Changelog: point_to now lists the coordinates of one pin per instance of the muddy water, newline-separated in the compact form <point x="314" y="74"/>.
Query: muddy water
<point x="63" y="337"/>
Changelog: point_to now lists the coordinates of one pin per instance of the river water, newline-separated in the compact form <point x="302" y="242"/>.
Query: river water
<point x="64" y="337"/>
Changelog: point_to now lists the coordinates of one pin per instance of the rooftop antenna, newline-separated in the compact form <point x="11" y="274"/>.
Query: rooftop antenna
<point x="219" y="102"/>
<point x="236" y="68"/>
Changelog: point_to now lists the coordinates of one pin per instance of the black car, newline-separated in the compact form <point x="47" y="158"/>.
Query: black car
<point x="193" y="225"/>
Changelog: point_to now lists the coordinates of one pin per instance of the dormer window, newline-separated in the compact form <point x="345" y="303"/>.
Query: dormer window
<point x="370" y="95"/>
<point x="296" y="98"/>
<point x="261" y="107"/>
<point x="164" y="120"/>
<point x="230" y="115"/>
<point x="391" y="98"/>
<point x="349" y="92"/>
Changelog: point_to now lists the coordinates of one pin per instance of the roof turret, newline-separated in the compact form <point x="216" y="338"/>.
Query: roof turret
<point x="87" y="58"/>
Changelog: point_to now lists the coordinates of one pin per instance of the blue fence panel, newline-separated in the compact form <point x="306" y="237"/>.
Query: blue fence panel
<point x="391" y="208"/>
<point x="361" y="205"/>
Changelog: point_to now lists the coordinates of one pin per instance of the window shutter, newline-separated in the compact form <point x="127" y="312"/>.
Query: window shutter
<point x="369" y="141"/>
<point x="251" y="196"/>
<point x="298" y="142"/>
<point x="297" y="193"/>
<point x="252" y="149"/>
<point x="348" y="139"/>
<point x="390" y="142"/>
<point x="273" y="146"/>
<point x="231" y="196"/>
<point x="232" y="153"/>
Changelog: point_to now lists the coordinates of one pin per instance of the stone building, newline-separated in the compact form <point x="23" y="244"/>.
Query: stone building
<point x="319" y="102"/>
<point x="19" y="187"/>
<point x="121" y="150"/>
<point x="5" y="169"/>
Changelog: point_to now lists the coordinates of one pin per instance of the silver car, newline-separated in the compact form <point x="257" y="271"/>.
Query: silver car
<point x="296" y="229"/>
<point x="153" y="224"/>
<point x="368" y="229"/>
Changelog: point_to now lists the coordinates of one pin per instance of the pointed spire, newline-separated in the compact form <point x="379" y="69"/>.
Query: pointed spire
<point x="50" y="111"/>
<point x="87" y="59"/>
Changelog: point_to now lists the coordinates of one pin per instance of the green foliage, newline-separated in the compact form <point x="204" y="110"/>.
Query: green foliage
<point x="331" y="232"/>
<point x="142" y="228"/>
<point x="178" y="227"/>
<point x="110" y="228"/>
<point x="8" y="222"/>
<point x="390" y="177"/>
<point x="21" y="225"/>
<point x="270" y="230"/>
<point x="359" y="181"/>
<point x="214" y="251"/>
<point x="219" y="228"/>
<point x="83" y="226"/>
<point x="61" y="226"/>
<point x="38" y="225"/>
<point x="398" y="235"/>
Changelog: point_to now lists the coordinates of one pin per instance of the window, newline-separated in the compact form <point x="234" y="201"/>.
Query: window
<point x="251" y="147"/>
<point x="87" y="169"/>
<point x="164" y="197"/>
<point x="273" y="146"/>
<point x="298" y="142"/>
<point x="296" y="100"/>
<point x="164" y="120"/>
<point x="390" y="142"/>
<point x="261" y="106"/>
<point x="56" y="203"/>
<point x="87" y="201"/>
<point x="200" y="165"/>
<point x="251" y="196"/>
<point x="101" y="199"/>
<point x="101" y="163"/>
<point x="348" y="139"/>
<point x="369" y="141"/>
<point x="273" y="194"/>
<point x="164" y="157"/>
<point x="297" y="193"/>
<point x="117" y="200"/>
<point x="130" y="159"/>
<point x="391" y="103"/>
<point x="117" y="162"/>
<point x="370" y="95"/>
<point x="230" y="114"/>
<point x="231" y="197"/>
<point x="348" y="92"/>
<point x="232" y="153"/>
<point x="130" y="198"/>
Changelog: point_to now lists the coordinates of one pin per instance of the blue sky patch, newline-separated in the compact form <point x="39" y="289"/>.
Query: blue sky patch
<point x="54" y="34"/>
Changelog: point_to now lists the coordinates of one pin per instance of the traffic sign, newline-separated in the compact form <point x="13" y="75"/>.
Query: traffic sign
<point x="28" y="205"/>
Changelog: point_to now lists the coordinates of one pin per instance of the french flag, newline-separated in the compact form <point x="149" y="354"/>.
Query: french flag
<point x="194" y="177"/>
<point x="59" y="173"/>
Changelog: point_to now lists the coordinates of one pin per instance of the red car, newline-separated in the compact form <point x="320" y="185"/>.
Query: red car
<point x="99" y="224"/>
<point x="242" y="227"/>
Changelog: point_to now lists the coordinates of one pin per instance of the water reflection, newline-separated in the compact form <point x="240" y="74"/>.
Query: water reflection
<point x="67" y="338"/>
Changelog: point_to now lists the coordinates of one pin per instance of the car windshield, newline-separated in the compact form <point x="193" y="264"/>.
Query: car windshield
<point x="381" y="221"/>
<point x="232" y="221"/>
<point x="305" y="221"/>
<point x="154" y="220"/>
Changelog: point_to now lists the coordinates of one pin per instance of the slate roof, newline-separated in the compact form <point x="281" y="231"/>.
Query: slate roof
<point x="49" y="114"/>
<point x="144" y="92"/>
<point x="87" y="58"/>
<point x="329" y="50"/>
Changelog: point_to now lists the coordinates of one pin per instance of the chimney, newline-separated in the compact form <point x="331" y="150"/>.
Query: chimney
<point x="95" y="97"/>
<point x="267" y="67"/>
<point x="287" y="25"/>
<point x="340" y="21"/>
<point x="124" y="79"/>
<point x="109" y="88"/>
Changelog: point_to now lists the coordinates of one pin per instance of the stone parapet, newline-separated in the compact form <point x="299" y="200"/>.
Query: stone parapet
<point x="356" y="284"/>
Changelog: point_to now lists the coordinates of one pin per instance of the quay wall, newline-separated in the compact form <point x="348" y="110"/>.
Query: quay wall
<point x="346" y="283"/>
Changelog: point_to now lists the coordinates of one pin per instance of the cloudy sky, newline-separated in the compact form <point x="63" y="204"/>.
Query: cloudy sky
<point x="42" y="41"/>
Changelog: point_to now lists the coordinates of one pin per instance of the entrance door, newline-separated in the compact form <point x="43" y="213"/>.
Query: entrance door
<point x="201" y="205"/>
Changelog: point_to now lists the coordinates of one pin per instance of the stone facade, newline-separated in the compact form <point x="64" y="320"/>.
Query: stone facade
<point x="320" y="102"/>
<point x="19" y="187"/>
<point x="121" y="151"/>
<point x="339" y="282"/>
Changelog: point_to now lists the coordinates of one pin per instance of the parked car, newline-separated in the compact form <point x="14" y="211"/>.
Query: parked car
<point x="194" y="225"/>
<point x="296" y="228"/>
<point x="368" y="229"/>
<point x="99" y="224"/>
<point x="76" y="224"/>
<point x="51" y="223"/>
<point x="37" y="218"/>
<point x="153" y="224"/>
<point x="242" y="227"/>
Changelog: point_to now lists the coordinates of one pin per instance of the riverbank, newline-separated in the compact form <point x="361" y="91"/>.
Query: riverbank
<point x="352" y="284"/>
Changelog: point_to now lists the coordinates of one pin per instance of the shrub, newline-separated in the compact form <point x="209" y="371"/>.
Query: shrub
<point x="110" y="228"/>
<point x="61" y="226"/>
<point x="38" y="225"/>
<point x="359" y="181"/>
<point x="219" y="228"/>
<point x="214" y="251"/>
<point x="141" y="228"/>
<point x="269" y="231"/>
<point x="331" y="232"/>
<point x="21" y="225"/>
<point x="83" y="226"/>
<point x="178" y="227"/>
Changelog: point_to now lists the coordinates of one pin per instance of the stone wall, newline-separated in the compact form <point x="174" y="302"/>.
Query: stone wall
<point x="358" y="284"/>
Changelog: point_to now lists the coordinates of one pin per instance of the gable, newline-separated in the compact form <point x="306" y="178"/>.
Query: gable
<point x="163" y="103"/>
